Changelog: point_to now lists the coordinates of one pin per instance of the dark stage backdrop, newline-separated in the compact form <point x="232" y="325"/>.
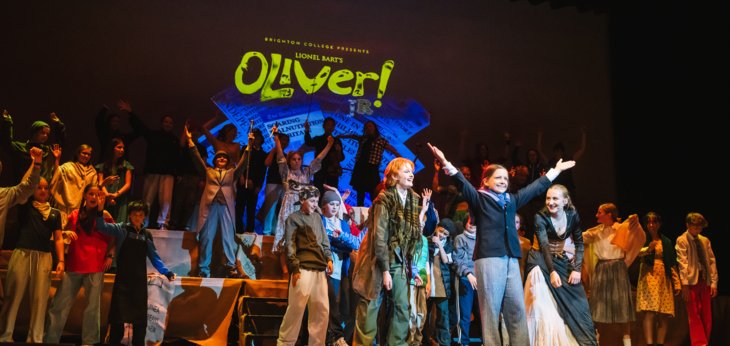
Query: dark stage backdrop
<point x="479" y="68"/>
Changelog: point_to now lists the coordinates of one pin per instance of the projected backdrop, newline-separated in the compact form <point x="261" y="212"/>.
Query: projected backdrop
<point x="280" y="87"/>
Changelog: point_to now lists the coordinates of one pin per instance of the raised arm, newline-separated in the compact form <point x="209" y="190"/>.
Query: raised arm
<point x="435" y="182"/>
<point x="277" y="145"/>
<point x="539" y="186"/>
<point x="392" y="150"/>
<point x="269" y="158"/>
<point x="316" y="164"/>
<point x="468" y="191"/>
<point x="58" y="129"/>
<point x="350" y="136"/>
<point x="198" y="161"/>
<point x="6" y="129"/>
<point x="245" y="155"/>
<point x="115" y="230"/>
<point x="183" y="137"/>
<point x="138" y="126"/>
<point x="330" y="142"/>
<point x="432" y="220"/>
<point x="425" y="198"/>
<point x="208" y="135"/>
<point x="307" y="136"/>
<point x="21" y="192"/>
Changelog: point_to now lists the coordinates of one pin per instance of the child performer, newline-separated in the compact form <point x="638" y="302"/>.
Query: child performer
<point x="499" y="285"/>
<point x="308" y="256"/>
<point x="698" y="274"/>
<point x="129" y="296"/>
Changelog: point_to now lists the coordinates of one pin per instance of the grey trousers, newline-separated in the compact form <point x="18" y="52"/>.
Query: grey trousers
<point x="63" y="300"/>
<point x="499" y="289"/>
<point x="27" y="270"/>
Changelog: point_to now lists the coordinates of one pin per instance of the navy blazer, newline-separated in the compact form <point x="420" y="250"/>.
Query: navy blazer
<point x="496" y="232"/>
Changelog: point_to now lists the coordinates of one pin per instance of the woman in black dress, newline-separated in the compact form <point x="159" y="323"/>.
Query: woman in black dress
<point x="549" y="265"/>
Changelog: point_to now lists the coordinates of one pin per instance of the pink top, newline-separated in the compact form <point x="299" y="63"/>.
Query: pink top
<point x="87" y="253"/>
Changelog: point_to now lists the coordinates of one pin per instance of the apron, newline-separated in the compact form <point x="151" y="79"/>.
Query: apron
<point x="129" y="297"/>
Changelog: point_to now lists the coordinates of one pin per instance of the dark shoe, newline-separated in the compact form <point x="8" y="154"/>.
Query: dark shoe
<point x="204" y="275"/>
<point x="232" y="272"/>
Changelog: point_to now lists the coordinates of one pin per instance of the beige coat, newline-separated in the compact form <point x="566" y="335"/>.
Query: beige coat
<point x="68" y="184"/>
<point x="689" y="265"/>
<point x="10" y="196"/>
<point x="223" y="180"/>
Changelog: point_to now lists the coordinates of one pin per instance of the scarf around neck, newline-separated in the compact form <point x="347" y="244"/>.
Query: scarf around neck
<point x="408" y="238"/>
<point x="43" y="208"/>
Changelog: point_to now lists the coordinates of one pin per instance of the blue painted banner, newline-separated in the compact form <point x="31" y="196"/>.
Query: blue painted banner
<point x="397" y="120"/>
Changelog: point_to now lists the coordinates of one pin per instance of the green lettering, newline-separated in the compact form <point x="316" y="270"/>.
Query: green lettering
<point x="267" y="93"/>
<point x="338" y="77"/>
<point x="384" y="77"/>
<point x="243" y="67"/>
<point x="360" y="78"/>
<point x="309" y="85"/>
<point x="286" y="73"/>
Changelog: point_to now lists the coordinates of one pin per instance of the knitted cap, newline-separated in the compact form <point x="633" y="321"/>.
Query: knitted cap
<point x="448" y="224"/>
<point x="37" y="125"/>
<point x="329" y="196"/>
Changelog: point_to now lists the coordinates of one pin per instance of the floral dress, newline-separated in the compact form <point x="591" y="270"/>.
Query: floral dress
<point x="655" y="289"/>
